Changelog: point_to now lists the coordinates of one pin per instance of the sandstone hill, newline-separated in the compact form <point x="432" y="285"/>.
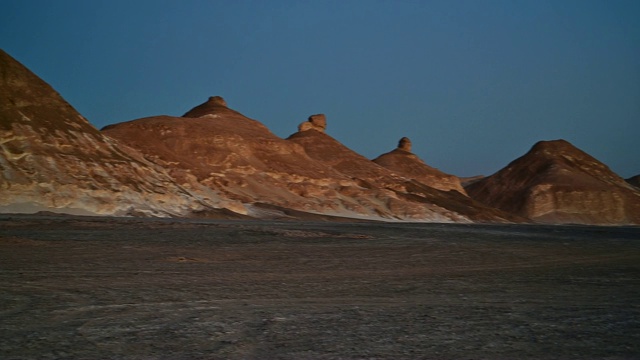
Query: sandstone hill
<point x="222" y="149"/>
<point x="403" y="162"/>
<point x="398" y="193"/>
<point x="215" y="162"/>
<point x="241" y="159"/>
<point x="52" y="159"/>
<point x="556" y="182"/>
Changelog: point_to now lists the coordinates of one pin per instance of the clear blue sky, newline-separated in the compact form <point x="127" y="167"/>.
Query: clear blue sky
<point x="474" y="84"/>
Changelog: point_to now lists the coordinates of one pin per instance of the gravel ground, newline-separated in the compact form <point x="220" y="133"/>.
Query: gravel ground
<point x="116" y="288"/>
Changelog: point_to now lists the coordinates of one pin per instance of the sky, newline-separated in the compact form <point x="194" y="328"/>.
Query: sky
<point x="474" y="84"/>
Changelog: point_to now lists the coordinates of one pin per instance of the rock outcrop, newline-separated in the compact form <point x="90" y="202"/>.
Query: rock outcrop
<point x="222" y="149"/>
<point x="404" y="144"/>
<point x="52" y="159"/>
<point x="316" y="122"/>
<point x="214" y="161"/>
<point x="403" y="162"/>
<point x="398" y="194"/>
<point x="556" y="182"/>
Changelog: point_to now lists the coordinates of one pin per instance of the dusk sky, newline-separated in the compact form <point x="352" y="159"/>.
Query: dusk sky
<point x="473" y="84"/>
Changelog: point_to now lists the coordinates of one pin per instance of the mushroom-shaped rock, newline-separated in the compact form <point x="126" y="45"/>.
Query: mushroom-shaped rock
<point x="315" y="122"/>
<point x="404" y="144"/>
<point x="217" y="100"/>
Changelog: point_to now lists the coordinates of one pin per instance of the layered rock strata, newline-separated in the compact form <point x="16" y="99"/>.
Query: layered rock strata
<point x="556" y="182"/>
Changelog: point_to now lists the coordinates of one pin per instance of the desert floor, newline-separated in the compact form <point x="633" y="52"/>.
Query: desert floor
<point x="114" y="288"/>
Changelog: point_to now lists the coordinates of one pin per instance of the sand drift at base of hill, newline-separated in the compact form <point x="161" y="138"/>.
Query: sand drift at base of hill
<point x="81" y="287"/>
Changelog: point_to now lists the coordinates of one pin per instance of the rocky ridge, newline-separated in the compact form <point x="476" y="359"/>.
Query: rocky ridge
<point x="222" y="149"/>
<point x="555" y="182"/>
<point x="214" y="161"/>
<point x="241" y="159"/>
<point x="399" y="194"/>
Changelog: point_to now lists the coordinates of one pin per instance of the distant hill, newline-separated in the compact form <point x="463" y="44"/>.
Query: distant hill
<point x="555" y="182"/>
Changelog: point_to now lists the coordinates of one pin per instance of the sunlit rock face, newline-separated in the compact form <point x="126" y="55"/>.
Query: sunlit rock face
<point x="52" y="159"/>
<point x="556" y="182"/>
<point x="402" y="161"/>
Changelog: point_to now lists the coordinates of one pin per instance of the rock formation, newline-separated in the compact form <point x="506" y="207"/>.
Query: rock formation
<point x="52" y="159"/>
<point x="224" y="150"/>
<point x="404" y="144"/>
<point x="398" y="194"/>
<point x="316" y="122"/>
<point x="403" y="162"/>
<point x="557" y="183"/>
<point x="214" y="161"/>
<point x="241" y="159"/>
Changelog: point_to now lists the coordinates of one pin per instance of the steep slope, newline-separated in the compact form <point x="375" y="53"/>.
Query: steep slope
<point x="556" y="182"/>
<point x="51" y="158"/>
<point x="403" y="162"/>
<point x="400" y="194"/>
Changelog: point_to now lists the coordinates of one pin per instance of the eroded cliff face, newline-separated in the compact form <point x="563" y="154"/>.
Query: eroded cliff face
<point x="557" y="183"/>
<point x="403" y="162"/>
<point x="51" y="158"/>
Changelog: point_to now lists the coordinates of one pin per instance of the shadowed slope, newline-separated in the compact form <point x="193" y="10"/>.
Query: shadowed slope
<point x="556" y="182"/>
<point x="240" y="158"/>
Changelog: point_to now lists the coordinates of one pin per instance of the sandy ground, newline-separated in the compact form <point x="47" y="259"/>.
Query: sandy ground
<point x="105" y="288"/>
